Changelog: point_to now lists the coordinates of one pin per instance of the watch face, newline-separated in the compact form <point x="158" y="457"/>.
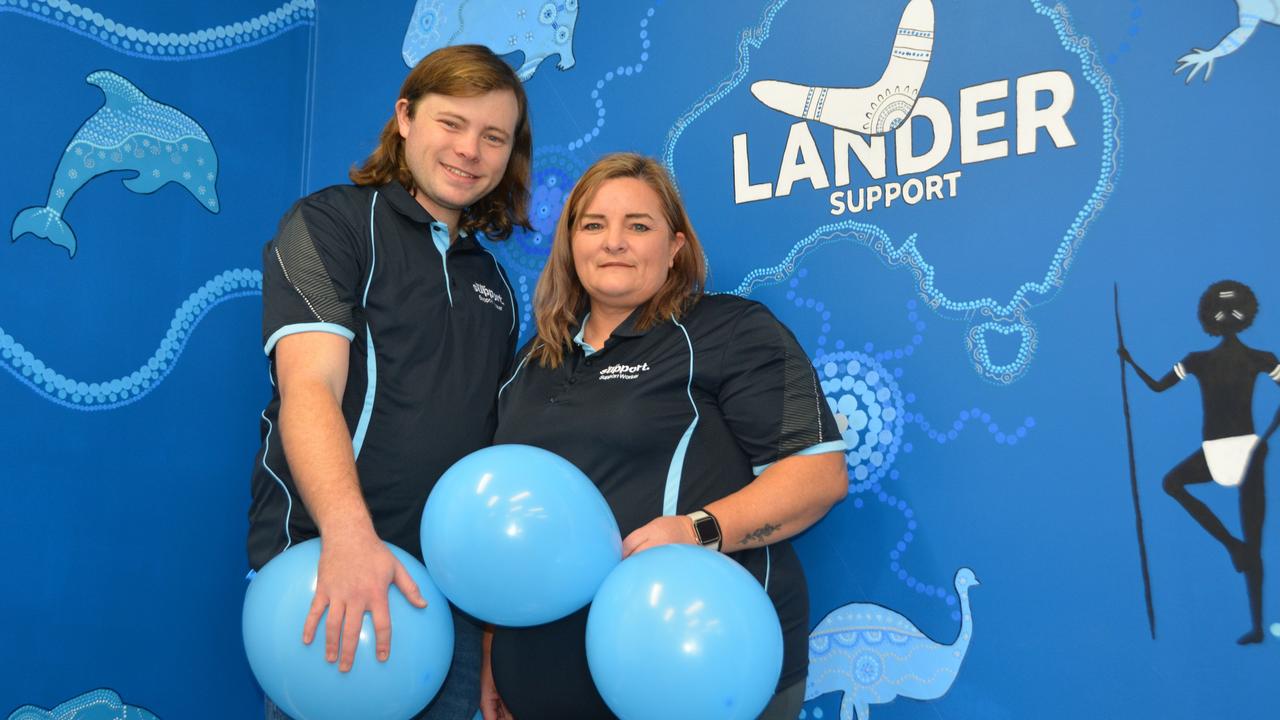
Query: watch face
<point x="705" y="527"/>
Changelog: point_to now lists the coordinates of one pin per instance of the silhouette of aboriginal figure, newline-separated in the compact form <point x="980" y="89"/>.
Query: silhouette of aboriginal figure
<point x="1232" y="455"/>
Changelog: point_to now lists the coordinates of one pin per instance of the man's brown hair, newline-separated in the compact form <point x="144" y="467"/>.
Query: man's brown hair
<point x="462" y="71"/>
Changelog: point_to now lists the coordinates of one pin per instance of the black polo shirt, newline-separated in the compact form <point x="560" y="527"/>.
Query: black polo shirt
<point x="432" y="329"/>
<point x="663" y="422"/>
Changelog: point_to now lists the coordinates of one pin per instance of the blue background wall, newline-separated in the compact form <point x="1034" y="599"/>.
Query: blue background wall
<point x="125" y="497"/>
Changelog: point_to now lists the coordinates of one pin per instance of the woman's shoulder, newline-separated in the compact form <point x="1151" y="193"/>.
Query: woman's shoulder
<point x="720" y="308"/>
<point x="726" y="316"/>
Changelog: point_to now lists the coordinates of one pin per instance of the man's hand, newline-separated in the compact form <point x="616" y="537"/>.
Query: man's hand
<point x="491" y="705"/>
<point x="665" y="530"/>
<point x="354" y="576"/>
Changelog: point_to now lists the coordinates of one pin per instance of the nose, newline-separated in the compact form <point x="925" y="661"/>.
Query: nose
<point x="615" y="240"/>
<point x="467" y="145"/>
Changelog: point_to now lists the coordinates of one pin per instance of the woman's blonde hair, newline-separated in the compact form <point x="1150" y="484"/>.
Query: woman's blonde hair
<point x="462" y="71"/>
<point x="560" y="300"/>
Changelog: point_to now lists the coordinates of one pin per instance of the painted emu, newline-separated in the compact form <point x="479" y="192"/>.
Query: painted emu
<point x="872" y="655"/>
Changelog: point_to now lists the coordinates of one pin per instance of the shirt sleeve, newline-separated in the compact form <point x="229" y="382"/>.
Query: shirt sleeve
<point x="311" y="274"/>
<point x="769" y="393"/>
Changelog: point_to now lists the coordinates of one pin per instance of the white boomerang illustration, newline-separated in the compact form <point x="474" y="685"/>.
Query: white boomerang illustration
<point x="877" y="108"/>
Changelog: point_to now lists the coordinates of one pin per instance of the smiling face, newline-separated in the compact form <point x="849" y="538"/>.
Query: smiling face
<point x="457" y="148"/>
<point x="622" y="245"/>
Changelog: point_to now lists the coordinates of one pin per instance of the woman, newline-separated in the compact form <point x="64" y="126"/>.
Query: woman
<point x="699" y="418"/>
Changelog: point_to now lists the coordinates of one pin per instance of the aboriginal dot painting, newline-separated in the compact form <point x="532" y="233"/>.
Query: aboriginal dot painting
<point x="1027" y="247"/>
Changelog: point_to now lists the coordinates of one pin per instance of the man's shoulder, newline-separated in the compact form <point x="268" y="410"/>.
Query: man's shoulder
<point x="344" y="199"/>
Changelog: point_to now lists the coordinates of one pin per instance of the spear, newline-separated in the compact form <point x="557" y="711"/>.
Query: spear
<point x="1133" y="471"/>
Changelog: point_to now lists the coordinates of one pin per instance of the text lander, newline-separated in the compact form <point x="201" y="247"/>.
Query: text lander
<point x="802" y="161"/>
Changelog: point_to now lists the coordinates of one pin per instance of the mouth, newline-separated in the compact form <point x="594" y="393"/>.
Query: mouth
<point x="458" y="173"/>
<point x="615" y="265"/>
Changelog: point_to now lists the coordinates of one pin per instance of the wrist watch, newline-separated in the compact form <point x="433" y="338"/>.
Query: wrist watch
<point x="707" y="528"/>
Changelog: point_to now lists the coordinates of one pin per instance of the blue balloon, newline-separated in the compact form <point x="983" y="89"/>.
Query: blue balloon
<point x="682" y="631"/>
<point x="516" y="535"/>
<point x="296" y="676"/>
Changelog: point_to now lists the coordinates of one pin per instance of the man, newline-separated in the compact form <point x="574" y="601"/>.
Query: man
<point x="1231" y="455"/>
<point x="388" y="328"/>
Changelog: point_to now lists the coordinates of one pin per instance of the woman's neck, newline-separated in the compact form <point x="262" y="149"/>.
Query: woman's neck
<point x="601" y="323"/>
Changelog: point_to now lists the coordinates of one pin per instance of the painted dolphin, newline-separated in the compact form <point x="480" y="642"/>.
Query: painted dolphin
<point x="877" y="108"/>
<point x="102" y="704"/>
<point x="131" y="132"/>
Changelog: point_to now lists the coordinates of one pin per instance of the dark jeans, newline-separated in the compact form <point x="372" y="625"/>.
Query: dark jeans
<point x="459" y="697"/>
<point x="786" y="703"/>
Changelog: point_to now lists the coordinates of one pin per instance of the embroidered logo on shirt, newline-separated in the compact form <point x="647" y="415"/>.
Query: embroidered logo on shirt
<point x="488" y="296"/>
<point x="623" y="372"/>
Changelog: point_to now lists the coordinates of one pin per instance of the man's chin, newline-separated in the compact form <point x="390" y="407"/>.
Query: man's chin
<point x="462" y="200"/>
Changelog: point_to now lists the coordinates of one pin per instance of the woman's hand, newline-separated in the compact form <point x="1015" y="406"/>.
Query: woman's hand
<point x="664" y="530"/>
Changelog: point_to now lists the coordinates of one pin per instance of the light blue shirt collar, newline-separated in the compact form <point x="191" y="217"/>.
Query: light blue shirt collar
<point x="440" y="236"/>
<point x="587" y="350"/>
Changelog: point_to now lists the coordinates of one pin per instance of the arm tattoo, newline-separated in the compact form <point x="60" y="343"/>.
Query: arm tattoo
<point x="760" y="533"/>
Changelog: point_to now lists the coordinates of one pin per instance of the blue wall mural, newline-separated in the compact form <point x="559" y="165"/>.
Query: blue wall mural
<point x="939" y="197"/>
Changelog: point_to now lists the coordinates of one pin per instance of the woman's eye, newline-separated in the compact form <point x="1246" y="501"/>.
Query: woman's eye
<point x="639" y="227"/>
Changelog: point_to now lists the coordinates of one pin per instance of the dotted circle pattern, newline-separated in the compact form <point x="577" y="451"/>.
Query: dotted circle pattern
<point x="871" y="411"/>
<point x="525" y="253"/>
<point x="868" y="407"/>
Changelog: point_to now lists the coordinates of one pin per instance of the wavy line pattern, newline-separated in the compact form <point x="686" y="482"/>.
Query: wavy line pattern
<point x="985" y="315"/>
<point x="974" y="416"/>
<point x="125" y="390"/>
<point x="750" y="38"/>
<point x="620" y="72"/>
<point x="151" y="45"/>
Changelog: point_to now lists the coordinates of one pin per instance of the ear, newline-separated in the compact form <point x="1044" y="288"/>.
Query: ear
<point x="677" y="242"/>
<point x="402" y="116"/>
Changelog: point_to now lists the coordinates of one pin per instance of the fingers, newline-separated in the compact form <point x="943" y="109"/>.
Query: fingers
<point x="1208" y="73"/>
<point x="318" y="604"/>
<point x="631" y="542"/>
<point x="382" y="629"/>
<point x="404" y="581"/>
<point x="333" y="632"/>
<point x="350" y="637"/>
<point x="637" y="547"/>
